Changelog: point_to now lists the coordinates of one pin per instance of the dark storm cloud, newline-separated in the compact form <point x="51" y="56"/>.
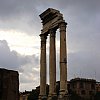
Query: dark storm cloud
<point x="12" y="60"/>
<point x="83" y="17"/>
<point x="20" y="15"/>
<point x="11" y="8"/>
<point x="23" y="14"/>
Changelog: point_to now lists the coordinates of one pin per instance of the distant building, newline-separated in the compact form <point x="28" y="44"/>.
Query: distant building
<point x="24" y="95"/>
<point x="98" y="86"/>
<point x="9" y="85"/>
<point x="85" y="88"/>
<point x="80" y="88"/>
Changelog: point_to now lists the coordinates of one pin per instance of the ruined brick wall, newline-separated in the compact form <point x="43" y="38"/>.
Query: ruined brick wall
<point x="9" y="85"/>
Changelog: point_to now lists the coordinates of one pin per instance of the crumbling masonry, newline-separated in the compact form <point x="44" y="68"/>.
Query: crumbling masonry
<point x="52" y="20"/>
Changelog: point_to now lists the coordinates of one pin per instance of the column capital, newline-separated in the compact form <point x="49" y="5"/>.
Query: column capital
<point x="63" y="23"/>
<point x="43" y="37"/>
<point x="62" y="26"/>
<point x="52" y="32"/>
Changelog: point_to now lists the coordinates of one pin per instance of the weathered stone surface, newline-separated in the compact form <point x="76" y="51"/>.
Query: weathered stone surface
<point x="52" y="63"/>
<point x="43" y="67"/>
<point x="9" y="85"/>
<point x="52" y="20"/>
<point x="63" y="59"/>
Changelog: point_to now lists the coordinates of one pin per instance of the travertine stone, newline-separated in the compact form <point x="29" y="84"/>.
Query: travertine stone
<point x="63" y="59"/>
<point x="52" y="20"/>
<point x="43" y="66"/>
<point x="52" y="64"/>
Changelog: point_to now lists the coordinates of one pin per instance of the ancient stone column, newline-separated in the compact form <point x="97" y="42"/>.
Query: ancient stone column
<point x="43" y="67"/>
<point x="63" y="60"/>
<point x="52" y="65"/>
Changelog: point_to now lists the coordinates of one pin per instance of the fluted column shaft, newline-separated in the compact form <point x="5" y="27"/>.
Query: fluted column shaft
<point x="52" y="63"/>
<point x="63" y="59"/>
<point x="43" y="66"/>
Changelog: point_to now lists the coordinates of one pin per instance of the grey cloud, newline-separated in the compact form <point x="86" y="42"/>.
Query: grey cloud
<point x="19" y="15"/>
<point x="83" y="64"/>
<point x="29" y="74"/>
<point x="83" y="32"/>
<point x="7" y="58"/>
<point x="13" y="60"/>
<point x="23" y="15"/>
<point x="15" y="7"/>
<point x="78" y="5"/>
<point x="27" y="66"/>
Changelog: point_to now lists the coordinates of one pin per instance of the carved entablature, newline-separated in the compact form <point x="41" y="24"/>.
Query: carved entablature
<point x="50" y="19"/>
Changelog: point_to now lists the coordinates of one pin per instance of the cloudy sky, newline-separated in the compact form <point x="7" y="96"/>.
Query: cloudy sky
<point x="20" y="27"/>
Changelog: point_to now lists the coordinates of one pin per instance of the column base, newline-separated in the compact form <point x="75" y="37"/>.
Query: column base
<point x="42" y="97"/>
<point x="63" y="95"/>
<point x="52" y="97"/>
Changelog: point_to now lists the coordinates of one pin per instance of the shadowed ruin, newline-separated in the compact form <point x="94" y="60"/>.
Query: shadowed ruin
<point x="52" y="20"/>
<point x="9" y="85"/>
